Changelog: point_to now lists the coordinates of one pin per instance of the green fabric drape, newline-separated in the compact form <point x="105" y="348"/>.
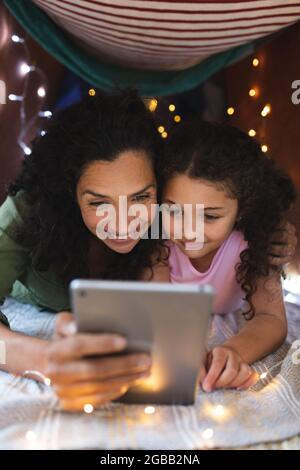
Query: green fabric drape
<point x="150" y="83"/>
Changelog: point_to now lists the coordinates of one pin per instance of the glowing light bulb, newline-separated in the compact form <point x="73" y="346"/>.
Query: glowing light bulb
<point x="264" y="148"/>
<point x="92" y="92"/>
<point x="161" y="129"/>
<point x="41" y="92"/>
<point x="152" y="105"/>
<point x="88" y="408"/>
<point x="172" y="108"/>
<point x="43" y="132"/>
<point x="47" y="381"/>
<point x="230" y="111"/>
<point x="16" y="38"/>
<point x="47" y="114"/>
<point x="252" y="132"/>
<point x="30" y="436"/>
<point x="219" y="410"/>
<point x="13" y="97"/>
<point x="27" y="150"/>
<point x="25" y="68"/>
<point x="208" y="433"/>
<point x="255" y="62"/>
<point x="177" y="118"/>
<point x="164" y="135"/>
<point x="252" y="92"/>
<point x="149" y="410"/>
<point x="266" y="110"/>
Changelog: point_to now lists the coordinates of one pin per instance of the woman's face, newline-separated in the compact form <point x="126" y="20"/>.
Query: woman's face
<point x="220" y="213"/>
<point x="131" y="176"/>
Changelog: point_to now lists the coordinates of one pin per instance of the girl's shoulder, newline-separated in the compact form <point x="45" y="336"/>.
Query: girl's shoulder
<point x="237" y="240"/>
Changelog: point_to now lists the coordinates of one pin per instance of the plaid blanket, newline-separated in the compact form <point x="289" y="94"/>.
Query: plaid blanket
<point x="268" y="412"/>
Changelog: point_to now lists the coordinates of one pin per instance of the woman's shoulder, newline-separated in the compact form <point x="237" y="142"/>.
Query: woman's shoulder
<point x="12" y="210"/>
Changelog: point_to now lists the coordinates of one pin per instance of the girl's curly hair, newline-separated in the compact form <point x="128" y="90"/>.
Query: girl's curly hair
<point x="97" y="128"/>
<point x="226" y="155"/>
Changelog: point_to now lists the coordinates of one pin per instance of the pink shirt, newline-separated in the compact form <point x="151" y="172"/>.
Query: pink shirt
<point x="220" y="275"/>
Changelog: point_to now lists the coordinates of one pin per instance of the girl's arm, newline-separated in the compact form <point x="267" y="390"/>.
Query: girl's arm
<point x="228" y="364"/>
<point x="267" y="330"/>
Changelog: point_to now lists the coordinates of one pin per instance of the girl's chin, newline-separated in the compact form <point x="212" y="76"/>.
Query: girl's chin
<point x="195" y="251"/>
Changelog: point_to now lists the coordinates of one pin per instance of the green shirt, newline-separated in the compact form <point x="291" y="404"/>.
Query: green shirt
<point x="18" y="278"/>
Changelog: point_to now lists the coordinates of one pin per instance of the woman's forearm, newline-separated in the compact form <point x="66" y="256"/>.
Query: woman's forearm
<point x="21" y="352"/>
<point x="259" y="337"/>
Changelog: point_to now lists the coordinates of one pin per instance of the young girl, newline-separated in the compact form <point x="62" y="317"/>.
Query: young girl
<point x="245" y="197"/>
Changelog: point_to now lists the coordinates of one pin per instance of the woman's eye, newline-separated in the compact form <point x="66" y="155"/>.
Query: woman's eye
<point x="141" y="197"/>
<point x="96" y="203"/>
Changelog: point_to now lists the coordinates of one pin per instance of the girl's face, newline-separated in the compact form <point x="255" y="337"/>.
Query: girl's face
<point x="220" y="212"/>
<point x="131" y="175"/>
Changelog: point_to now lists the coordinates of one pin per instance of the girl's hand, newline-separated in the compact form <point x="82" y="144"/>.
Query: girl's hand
<point x="284" y="245"/>
<point x="226" y="369"/>
<point x="83" y="369"/>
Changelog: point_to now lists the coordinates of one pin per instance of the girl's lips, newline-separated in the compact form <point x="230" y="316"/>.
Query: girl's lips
<point x="193" y="245"/>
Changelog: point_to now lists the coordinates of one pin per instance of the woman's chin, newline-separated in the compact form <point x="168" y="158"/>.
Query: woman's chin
<point x="121" y="246"/>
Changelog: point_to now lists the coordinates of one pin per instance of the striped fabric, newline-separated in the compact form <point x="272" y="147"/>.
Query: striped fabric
<point x="162" y="35"/>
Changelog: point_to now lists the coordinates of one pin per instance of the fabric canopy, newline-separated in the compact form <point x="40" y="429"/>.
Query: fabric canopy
<point x="157" y="46"/>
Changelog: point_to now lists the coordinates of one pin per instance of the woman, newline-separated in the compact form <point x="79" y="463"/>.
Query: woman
<point x="94" y="152"/>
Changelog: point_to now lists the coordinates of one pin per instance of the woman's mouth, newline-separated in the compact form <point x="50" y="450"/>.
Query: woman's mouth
<point x="120" y="239"/>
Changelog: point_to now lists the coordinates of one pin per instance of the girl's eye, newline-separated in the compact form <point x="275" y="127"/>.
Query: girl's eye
<point x="141" y="197"/>
<point x="173" y="210"/>
<point x="211" y="217"/>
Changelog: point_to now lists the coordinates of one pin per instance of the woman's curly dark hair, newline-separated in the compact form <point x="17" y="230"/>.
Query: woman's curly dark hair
<point x="97" y="128"/>
<point x="224" y="154"/>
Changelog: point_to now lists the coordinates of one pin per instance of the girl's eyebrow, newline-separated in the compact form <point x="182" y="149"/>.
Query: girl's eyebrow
<point x="205" y="208"/>
<point x="213" y="208"/>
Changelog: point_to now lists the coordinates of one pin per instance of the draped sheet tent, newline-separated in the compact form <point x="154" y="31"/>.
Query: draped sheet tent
<point x="165" y="49"/>
<point x="158" y="46"/>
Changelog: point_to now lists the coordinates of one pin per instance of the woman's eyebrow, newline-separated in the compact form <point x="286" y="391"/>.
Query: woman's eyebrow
<point x="151" y="185"/>
<point x="92" y="193"/>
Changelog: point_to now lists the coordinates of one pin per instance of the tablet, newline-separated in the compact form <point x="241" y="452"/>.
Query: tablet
<point x="170" y="321"/>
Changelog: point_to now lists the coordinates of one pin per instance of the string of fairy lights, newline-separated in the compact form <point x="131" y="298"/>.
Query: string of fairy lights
<point x="265" y="109"/>
<point x="152" y="104"/>
<point x="26" y="68"/>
